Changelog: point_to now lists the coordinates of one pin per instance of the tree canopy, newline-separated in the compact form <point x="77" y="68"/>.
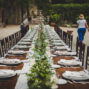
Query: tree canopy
<point x="69" y="1"/>
<point x="14" y="3"/>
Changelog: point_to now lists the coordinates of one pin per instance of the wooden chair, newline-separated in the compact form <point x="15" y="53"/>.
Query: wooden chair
<point x="70" y="40"/>
<point x="0" y="50"/>
<point x="82" y="54"/>
<point x="87" y="58"/>
<point x="77" y="46"/>
<point x="10" y="41"/>
<point x="13" y="39"/>
<point x="16" y="37"/>
<point x="2" y="47"/>
<point x="59" y="31"/>
<point x="7" y="46"/>
<point x="56" y="28"/>
<point x="80" y="50"/>
<point x="19" y="35"/>
<point x="65" y="37"/>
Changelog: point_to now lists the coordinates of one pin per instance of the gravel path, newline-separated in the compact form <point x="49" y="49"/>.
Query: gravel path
<point x="10" y="29"/>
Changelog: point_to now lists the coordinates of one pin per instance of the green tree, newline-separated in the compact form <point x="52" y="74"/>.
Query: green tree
<point x="42" y="4"/>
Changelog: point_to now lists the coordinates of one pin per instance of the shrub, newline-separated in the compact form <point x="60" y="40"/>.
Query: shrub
<point x="70" y="12"/>
<point x="55" y="18"/>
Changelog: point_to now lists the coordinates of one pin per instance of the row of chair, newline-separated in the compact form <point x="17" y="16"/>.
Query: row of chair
<point x="81" y="50"/>
<point x="8" y="42"/>
<point x="80" y="47"/>
<point x="67" y="38"/>
<point x="87" y="58"/>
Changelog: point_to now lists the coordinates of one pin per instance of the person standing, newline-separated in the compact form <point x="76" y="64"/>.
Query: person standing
<point x="82" y="26"/>
<point x="26" y="24"/>
<point x="22" y="30"/>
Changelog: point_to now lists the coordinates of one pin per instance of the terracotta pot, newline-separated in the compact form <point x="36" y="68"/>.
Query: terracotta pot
<point x="69" y="32"/>
<point x="52" y="24"/>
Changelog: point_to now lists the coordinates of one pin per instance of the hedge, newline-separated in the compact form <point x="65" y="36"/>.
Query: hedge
<point x="70" y="12"/>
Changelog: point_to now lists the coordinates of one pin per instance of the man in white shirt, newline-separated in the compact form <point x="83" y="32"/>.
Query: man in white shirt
<point x="26" y="22"/>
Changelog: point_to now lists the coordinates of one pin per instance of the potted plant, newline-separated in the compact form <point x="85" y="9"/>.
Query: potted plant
<point x="54" y="19"/>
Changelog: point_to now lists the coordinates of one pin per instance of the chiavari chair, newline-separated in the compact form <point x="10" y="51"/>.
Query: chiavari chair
<point x="2" y="46"/>
<point x="87" y="58"/>
<point x="80" y="50"/>
<point x="16" y="37"/>
<point x="19" y="35"/>
<point x="7" y="44"/>
<point x="65" y="36"/>
<point x="10" y="41"/>
<point x="58" y="30"/>
<point x="0" y="50"/>
<point x="60" y="33"/>
<point x="70" y="40"/>
<point x="13" y="39"/>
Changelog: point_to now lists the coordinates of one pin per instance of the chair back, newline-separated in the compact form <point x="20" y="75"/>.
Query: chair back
<point x="2" y="47"/>
<point x="87" y="58"/>
<point x="70" y="40"/>
<point x="65" y="37"/>
<point x="80" y="50"/>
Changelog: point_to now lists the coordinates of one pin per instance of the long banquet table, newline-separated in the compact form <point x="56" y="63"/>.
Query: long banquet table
<point x="13" y="82"/>
<point x="19" y="81"/>
<point x="71" y="84"/>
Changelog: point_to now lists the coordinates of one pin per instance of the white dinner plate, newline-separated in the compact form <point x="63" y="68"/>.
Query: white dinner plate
<point x="24" y="43"/>
<point x="5" y="73"/>
<point x="69" y="62"/>
<point x="17" y="52"/>
<point x="10" y="61"/>
<point x="65" y="53"/>
<point x="61" y="81"/>
<point x="75" y="75"/>
<point x="21" y="46"/>
<point x="56" y="66"/>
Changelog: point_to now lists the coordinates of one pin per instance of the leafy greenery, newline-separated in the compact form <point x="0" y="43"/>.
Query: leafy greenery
<point x="42" y="4"/>
<point x="55" y="18"/>
<point x="40" y="75"/>
<point x="70" y="12"/>
<point x="69" y="1"/>
<point x="39" y="52"/>
<point x="14" y="3"/>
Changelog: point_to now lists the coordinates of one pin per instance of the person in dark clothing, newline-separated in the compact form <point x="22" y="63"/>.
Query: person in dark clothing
<point x="22" y="30"/>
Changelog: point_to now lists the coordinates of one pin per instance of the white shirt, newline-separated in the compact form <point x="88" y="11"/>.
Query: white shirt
<point x="26" y="22"/>
<point x="81" y="23"/>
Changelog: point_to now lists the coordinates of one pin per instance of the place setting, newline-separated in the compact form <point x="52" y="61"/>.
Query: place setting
<point x="17" y="52"/>
<point x="10" y="62"/>
<point x="24" y="43"/>
<point x="77" y="76"/>
<point x="69" y="63"/>
<point x="64" y="53"/>
<point x="21" y="47"/>
<point x="6" y="74"/>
